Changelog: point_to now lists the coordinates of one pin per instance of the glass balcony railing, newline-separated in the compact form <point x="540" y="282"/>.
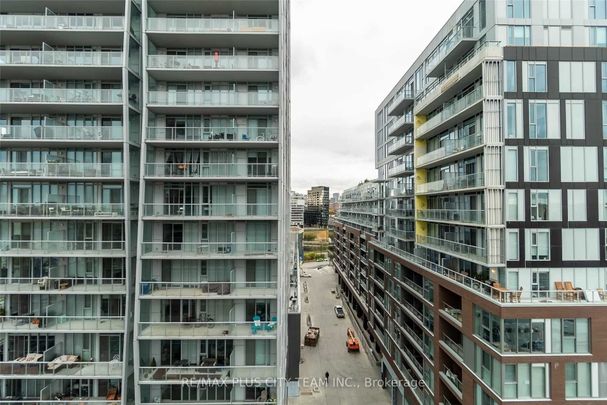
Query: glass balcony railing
<point x="401" y="234"/>
<point x="61" y="22"/>
<point x="62" y="323"/>
<point x="452" y="181"/>
<point x="61" y="210"/>
<point x="54" y="246"/>
<point x="454" y="247"/>
<point x="61" y="132"/>
<point x="209" y="248"/>
<point x="211" y="210"/>
<point x="458" y="348"/>
<point x="228" y="62"/>
<point x="47" y="95"/>
<point x="452" y="215"/>
<point x="61" y="169"/>
<point x="401" y="168"/>
<point x="401" y="192"/>
<point x="61" y="58"/>
<point x="399" y="100"/>
<point x="259" y="134"/>
<point x="213" y="25"/>
<point x="48" y="369"/>
<point x="462" y="33"/>
<point x="177" y="374"/>
<point x="399" y="124"/>
<point x="60" y="284"/>
<point x="453" y="378"/>
<point x="197" y="329"/>
<point x="404" y="142"/>
<point x="451" y="109"/>
<point x="400" y="212"/>
<point x="202" y="170"/>
<point x="160" y="289"/>
<point x="199" y="98"/>
<point x="450" y="147"/>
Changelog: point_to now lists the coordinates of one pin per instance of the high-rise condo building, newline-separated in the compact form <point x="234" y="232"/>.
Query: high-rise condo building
<point x="317" y="207"/>
<point x="144" y="180"/>
<point x="298" y="206"/>
<point x="485" y="279"/>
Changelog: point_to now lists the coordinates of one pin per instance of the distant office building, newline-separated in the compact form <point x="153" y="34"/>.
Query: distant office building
<point x="334" y="198"/>
<point x="298" y="205"/>
<point x="317" y="207"/>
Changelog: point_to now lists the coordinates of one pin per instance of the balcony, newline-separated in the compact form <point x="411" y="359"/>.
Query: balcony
<point x="401" y="125"/>
<point x="61" y="369"/>
<point x="206" y="290"/>
<point x="211" y="210"/>
<point x="62" y="323"/>
<point x="452" y="149"/>
<point x="400" y="145"/>
<point x="205" y="330"/>
<point x="459" y="249"/>
<point x="62" y="285"/>
<point x="232" y="102"/>
<point x="252" y="68"/>
<point x="213" y="32"/>
<point x="401" y="170"/>
<point x="400" y="213"/>
<point x="457" y="78"/>
<point x="63" y="247"/>
<point x="62" y="170"/>
<point x="454" y="111"/>
<point x="177" y="374"/>
<point x="452" y="182"/>
<point x="457" y="43"/>
<point x="457" y="348"/>
<point x="59" y="133"/>
<point x="452" y="215"/>
<point x="216" y="135"/>
<point x="62" y="210"/>
<point x="401" y="234"/>
<point x="453" y="380"/>
<point x="206" y="171"/>
<point x="401" y="192"/>
<point x="209" y="249"/>
<point x="100" y="101"/>
<point x="401" y="101"/>
<point x="51" y="65"/>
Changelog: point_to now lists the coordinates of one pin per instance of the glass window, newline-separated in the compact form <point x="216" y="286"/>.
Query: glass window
<point x="537" y="120"/>
<point x="511" y="164"/>
<point x="517" y="8"/>
<point x="512" y="205"/>
<point x="512" y="249"/>
<point x="598" y="36"/>
<point x="539" y="205"/>
<point x="577" y="77"/>
<point x="509" y="75"/>
<point x="519" y="35"/>
<point x="577" y="380"/>
<point x="511" y="120"/>
<point x="539" y="247"/>
<point x="536" y="77"/>
<point x="604" y="76"/>
<point x="574" y="119"/>
<point x="604" y="119"/>
<point x="538" y="164"/>
<point x="597" y="9"/>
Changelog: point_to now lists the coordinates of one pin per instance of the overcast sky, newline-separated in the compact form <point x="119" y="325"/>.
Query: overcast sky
<point x="346" y="56"/>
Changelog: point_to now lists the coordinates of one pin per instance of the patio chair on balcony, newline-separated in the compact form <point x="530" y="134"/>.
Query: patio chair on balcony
<point x="256" y="325"/>
<point x="516" y="295"/>
<point x="602" y="294"/>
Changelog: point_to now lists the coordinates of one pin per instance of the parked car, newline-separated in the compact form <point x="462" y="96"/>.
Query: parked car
<point x="339" y="311"/>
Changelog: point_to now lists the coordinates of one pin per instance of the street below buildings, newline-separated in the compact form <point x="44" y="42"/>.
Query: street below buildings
<point x="353" y="378"/>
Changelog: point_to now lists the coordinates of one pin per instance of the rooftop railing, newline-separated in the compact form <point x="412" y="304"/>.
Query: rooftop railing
<point x="61" y="22"/>
<point x="219" y="134"/>
<point x="213" y="25"/>
<point x="228" y="62"/>
<point x="60" y="58"/>
<point x="61" y="132"/>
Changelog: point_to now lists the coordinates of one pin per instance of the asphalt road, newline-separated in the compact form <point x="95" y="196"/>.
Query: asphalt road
<point x="351" y="375"/>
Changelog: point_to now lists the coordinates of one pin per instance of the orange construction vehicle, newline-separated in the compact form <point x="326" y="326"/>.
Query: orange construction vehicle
<point x="353" y="344"/>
